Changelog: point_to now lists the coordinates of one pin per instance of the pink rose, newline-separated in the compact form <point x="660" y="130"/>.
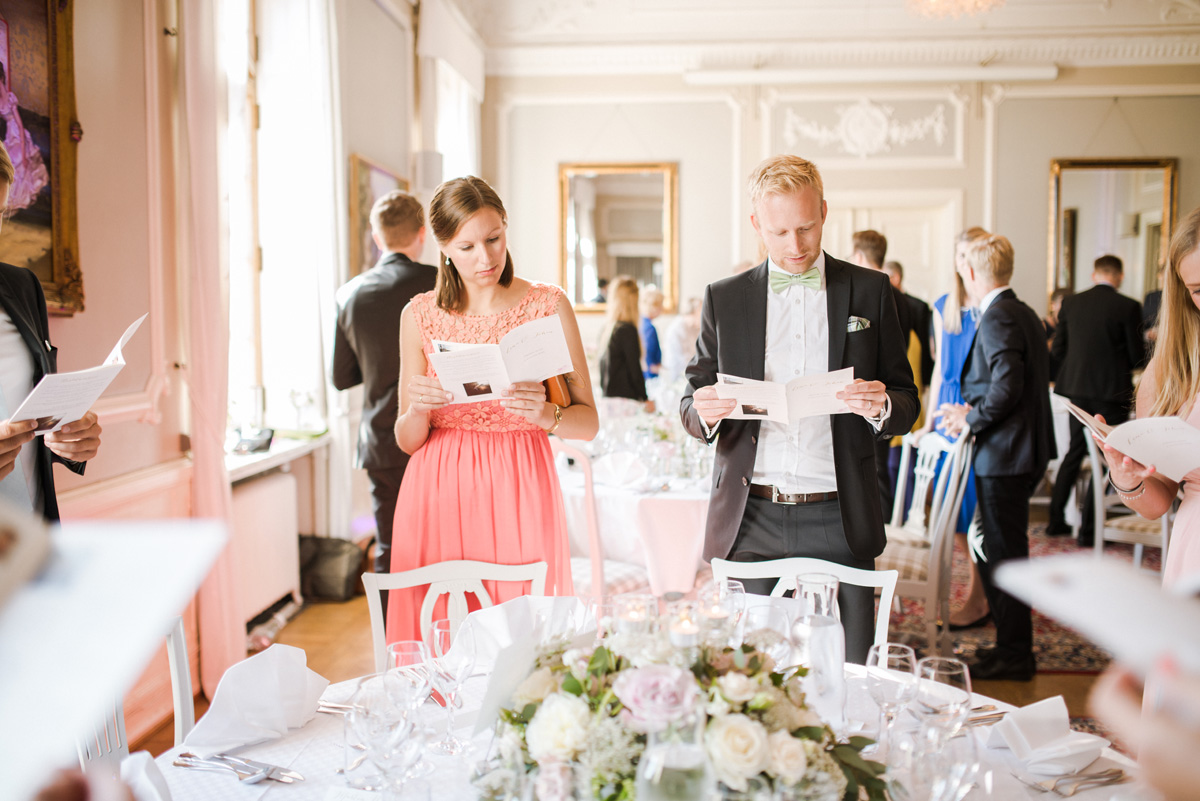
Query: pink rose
<point x="654" y="696"/>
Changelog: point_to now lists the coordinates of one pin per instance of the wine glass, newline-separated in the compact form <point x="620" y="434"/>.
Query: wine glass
<point x="817" y="593"/>
<point x="943" y="696"/>
<point x="381" y="727"/>
<point x="892" y="683"/>
<point x="451" y="662"/>
<point x="407" y="677"/>
<point x="771" y="628"/>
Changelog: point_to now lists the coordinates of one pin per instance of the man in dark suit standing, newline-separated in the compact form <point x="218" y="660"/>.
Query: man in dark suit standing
<point x="807" y="488"/>
<point x="1097" y="345"/>
<point x="1006" y="387"/>
<point x="26" y="461"/>
<point x="366" y="350"/>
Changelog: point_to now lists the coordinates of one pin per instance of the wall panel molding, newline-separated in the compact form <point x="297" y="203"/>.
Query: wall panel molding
<point x="161" y="491"/>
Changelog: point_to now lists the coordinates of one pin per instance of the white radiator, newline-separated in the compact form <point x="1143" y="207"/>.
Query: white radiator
<point x="266" y="545"/>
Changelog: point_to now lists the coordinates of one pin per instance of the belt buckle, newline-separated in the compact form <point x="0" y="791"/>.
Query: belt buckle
<point x="775" y="497"/>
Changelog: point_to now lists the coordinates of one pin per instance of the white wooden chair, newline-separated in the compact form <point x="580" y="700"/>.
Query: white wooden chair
<point x="923" y="549"/>
<point x="106" y="746"/>
<point x="1115" y="522"/>
<point x="454" y="578"/>
<point x="594" y="575"/>
<point x="786" y="571"/>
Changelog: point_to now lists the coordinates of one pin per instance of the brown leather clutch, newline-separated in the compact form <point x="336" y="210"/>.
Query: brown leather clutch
<point x="556" y="391"/>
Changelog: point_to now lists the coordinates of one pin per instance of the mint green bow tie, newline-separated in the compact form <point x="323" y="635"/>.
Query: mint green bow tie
<point x="780" y="281"/>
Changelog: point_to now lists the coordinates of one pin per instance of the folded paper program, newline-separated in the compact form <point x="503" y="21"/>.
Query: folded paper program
<point x="620" y="469"/>
<point x="259" y="699"/>
<point x="1040" y="737"/>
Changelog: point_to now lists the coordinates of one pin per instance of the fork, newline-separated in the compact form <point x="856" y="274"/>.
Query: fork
<point x="244" y="776"/>
<point x="1050" y="784"/>
<point x="1075" y="786"/>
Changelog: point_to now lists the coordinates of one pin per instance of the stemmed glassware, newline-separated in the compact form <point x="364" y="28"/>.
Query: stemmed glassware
<point x="449" y="668"/>
<point x="722" y="607"/>
<point x="892" y="682"/>
<point x="382" y="730"/>
<point x="943" y="696"/>
<point x="772" y="627"/>
<point x="408" y="682"/>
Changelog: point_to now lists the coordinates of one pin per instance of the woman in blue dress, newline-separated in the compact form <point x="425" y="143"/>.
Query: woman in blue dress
<point x="954" y="334"/>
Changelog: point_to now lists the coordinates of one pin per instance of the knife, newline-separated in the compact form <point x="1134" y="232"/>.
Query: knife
<point x="274" y="772"/>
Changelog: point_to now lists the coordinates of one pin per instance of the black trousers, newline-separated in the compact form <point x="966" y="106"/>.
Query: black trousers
<point x="385" y="488"/>
<point x="1068" y="470"/>
<point x="1003" y="504"/>
<point x="776" y="531"/>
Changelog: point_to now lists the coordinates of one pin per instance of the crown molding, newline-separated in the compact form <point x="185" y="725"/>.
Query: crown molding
<point x="678" y="59"/>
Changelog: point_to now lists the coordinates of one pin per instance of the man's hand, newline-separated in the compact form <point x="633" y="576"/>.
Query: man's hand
<point x="954" y="416"/>
<point x="711" y="408"/>
<point x="77" y="441"/>
<point x="866" y="398"/>
<point x="12" y="437"/>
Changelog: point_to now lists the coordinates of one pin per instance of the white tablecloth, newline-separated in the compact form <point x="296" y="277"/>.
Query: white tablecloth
<point x="662" y="531"/>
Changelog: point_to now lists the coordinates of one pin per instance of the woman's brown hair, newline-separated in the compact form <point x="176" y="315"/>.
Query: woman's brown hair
<point x="455" y="202"/>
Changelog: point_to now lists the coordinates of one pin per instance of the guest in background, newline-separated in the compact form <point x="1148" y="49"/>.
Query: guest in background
<point x="1150" y="307"/>
<point x="1169" y="387"/>
<point x="621" y="349"/>
<point x="679" y="345"/>
<point x="920" y="317"/>
<point x="601" y="291"/>
<point x="481" y="484"/>
<point x="1050" y="321"/>
<point x="651" y="303"/>
<point x="365" y="351"/>
<point x="1097" y="347"/>
<point x="1006" y="387"/>
<point x="26" y="461"/>
<point x="954" y="333"/>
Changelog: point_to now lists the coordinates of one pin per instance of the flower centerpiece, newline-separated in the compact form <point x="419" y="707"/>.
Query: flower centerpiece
<point x="597" y="708"/>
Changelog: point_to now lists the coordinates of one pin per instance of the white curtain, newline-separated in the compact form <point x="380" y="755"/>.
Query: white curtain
<point x="458" y="121"/>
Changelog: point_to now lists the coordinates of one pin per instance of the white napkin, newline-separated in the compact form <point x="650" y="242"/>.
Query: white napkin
<point x="141" y="773"/>
<point x="526" y="617"/>
<point x="1040" y="737"/>
<point x="259" y="699"/>
<point x="620" y="469"/>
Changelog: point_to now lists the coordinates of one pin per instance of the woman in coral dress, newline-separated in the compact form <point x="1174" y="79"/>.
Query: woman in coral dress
<point x="481" y="483"/>
<point x="1170" y="386"/>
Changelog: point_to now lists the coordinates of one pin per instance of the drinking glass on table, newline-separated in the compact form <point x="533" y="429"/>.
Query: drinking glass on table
<point x="892" y="682"/>
<point x="943" y="697"/>
<point x="451" y="662"/>
<point x="825" y="684"/>
<point x="817" y="594"/>
<point x="769" y="629"/>
<point x="381" y="730"/>
<point x="407" y="674"/>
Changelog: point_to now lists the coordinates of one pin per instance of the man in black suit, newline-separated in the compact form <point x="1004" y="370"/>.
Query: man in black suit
<point x="26" y="461"/>
<point x="1006" y="388"/>
<point x="1097" y="345"/>
<point x="778" y="489"/>
<point x="366" y="350"/>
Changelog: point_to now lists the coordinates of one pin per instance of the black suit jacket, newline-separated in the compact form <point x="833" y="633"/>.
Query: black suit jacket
<point x="22" y="297"/>
<point x="366" y="350"/>
<point x="1006" y="379"/>
<point x="621" y="364"/>
<point x="1097" y="345"/>
<point x="916" y="317"/>
<point x="732" y="340"/>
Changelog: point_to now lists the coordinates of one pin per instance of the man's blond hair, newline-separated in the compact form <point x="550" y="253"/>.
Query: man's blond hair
<point x="7" y="173"/>
<point x="991" y="256"/>
<point x="784" y="175"/>
<point x="396" y="218"/>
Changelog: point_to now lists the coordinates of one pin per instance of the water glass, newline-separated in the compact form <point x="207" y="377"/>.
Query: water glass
<point x="825" y="684"/>
<point x="451" y="662"/>
<point x="943" y="696"/>
<point x="379" y="727"/>
<point x="924" y="767"/>
<point x="674" y="765"/>
<point x="769" y="629"/>
<point x="817" y="593"/>
<point x="892" y="683"/>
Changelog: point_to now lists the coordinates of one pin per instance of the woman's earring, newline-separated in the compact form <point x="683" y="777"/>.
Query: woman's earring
<point x="447" y="261"/>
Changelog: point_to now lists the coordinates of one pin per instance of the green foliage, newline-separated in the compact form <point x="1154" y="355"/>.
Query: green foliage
<point x="571" y="685"/>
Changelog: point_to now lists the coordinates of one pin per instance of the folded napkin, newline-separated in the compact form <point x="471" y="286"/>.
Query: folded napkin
<point x="524" y="618"/>
<point x="141" y="773"/>
<point x="620" y="469"/>
<point x="259" y="699"/>
<point x="1040" y="737"/>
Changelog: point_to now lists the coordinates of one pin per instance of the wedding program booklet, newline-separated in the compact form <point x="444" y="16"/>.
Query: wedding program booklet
<point x="61" y="398"/>
<point x="806" y="396"/>
<point x="1168" y="443"/>
<point x="534" y="351"/>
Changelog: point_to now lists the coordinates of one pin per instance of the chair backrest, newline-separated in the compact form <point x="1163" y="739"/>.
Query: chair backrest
<point x="591" y="518"/>
<point x="787" y="569"/>
<point x="929" y="451"/>
<point x="454" y="578"/>
<point x="948" y="497"/>
<point x="106" y="746"/>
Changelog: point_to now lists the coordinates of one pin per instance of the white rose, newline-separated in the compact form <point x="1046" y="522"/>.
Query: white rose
<point x="787" y="759"/>
<point x="558" y="730"/>
<point x="537" y="685"/>
<point x="738" y="748"/>
<point x="737" y="687"/>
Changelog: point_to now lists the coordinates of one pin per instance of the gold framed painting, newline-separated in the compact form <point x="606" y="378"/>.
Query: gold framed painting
<point x="369" y="181"/>
<point x="41" y="133"/>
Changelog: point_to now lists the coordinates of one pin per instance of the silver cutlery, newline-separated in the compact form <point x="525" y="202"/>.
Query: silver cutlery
<point x="1072" y="787"/>
<point x="987" y="719"/>
<point x="1069" y="784"/>
<point x="243" y="765"/>
<point x="1050" y="784"/>
<point x="246" y="776"/>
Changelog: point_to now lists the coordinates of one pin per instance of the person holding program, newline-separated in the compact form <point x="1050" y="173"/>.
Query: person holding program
<point x="1169" y="387"/>
<point x="481" y="483"/>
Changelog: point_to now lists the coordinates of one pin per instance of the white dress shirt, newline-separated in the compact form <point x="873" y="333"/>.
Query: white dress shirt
<point x="16" y="380"/>
<point x="990" y="298"/>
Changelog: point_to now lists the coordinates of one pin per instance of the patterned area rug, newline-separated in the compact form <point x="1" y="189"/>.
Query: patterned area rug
<point x="1058" y="649"/>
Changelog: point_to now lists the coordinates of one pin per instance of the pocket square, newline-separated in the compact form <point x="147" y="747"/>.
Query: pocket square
<point x="857" y="324"/>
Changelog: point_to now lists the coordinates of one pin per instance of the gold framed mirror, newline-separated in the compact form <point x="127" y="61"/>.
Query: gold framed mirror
<point x="1123" y="207"/>
<point x="618" y="219"/>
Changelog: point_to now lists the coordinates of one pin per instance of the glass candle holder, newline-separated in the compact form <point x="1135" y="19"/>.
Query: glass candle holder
<point x="636" y="612"/>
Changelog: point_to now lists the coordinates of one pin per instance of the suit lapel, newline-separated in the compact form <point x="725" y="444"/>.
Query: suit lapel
<point x="837" y="306"/>
<point x="754" y="299"/>
<point x="10" y="296"/>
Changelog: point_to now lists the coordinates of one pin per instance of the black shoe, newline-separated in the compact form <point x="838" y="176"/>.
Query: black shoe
<point x="974" y="624"/>
<point x="995" y="667"/>
<point x="1058" y="528"/>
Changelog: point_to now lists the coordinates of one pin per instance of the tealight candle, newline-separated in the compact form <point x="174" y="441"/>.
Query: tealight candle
<point x="684" y="633"/>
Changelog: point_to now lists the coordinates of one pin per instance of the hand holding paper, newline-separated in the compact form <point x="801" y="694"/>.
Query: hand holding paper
<point x="1168" y="445"/>
<point x="78" y="440"/>
<point x="806" y="396"/>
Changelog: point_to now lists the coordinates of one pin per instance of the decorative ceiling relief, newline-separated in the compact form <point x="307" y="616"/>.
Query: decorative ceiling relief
<point x="898" y="131"/>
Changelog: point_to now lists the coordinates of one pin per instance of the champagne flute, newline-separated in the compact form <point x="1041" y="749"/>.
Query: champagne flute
<point x="891" y="680"/>
<point x="943" y="696"/>
<point x="451" y="663"/>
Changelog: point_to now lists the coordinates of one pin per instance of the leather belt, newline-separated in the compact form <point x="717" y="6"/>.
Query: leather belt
<point x="772" y="493"/>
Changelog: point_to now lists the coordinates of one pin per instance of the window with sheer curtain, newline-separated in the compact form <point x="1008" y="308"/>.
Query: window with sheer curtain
<point x="458" y="121"/>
